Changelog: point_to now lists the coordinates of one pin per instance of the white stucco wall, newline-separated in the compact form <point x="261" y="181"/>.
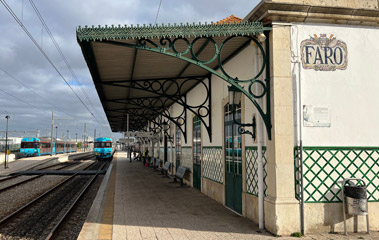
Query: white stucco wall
<point x="242" y="66"/>
<point x="351" y="95"/>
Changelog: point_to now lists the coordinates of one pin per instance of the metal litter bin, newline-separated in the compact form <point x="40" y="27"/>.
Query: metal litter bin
<point x="354" y="199"/>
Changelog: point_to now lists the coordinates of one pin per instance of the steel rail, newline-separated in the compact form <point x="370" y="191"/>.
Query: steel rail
<point x="54" y="165"/>
<point x="30" y="179"/>
<point x="85" y="188"/>
<point x="7" y="178"/>
<point x="20" y="183"/>
<point x="10" y="176"/>
<point x="43" y="162"/>
<point x="18" y="211"/>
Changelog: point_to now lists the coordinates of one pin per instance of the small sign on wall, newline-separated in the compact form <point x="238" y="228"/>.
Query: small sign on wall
<point x="316" y="116"/>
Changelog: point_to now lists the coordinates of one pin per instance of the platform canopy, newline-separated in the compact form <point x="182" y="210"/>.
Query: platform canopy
<point x="143" y="70"/>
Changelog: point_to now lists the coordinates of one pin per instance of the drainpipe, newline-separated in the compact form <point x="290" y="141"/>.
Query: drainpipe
<point x="260" y="174"/>
<point x="259" y="149"/>
<point x="295" y="59"/>
<point x="302" y="221"/>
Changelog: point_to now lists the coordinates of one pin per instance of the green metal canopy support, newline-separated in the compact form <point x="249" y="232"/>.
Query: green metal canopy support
<point x="171" y="36"/>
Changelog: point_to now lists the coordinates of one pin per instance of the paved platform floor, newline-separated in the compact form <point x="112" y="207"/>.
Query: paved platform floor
<point x="23" y="163"/>
<point x="141" y="204"/>
<point x="28" y="162"/>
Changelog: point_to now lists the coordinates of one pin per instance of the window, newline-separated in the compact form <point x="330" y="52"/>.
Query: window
<point x="45" y="145"/>
<point x="233" y="148"/>
<point x="30" y="145"/>
<point x="103" y="144"/>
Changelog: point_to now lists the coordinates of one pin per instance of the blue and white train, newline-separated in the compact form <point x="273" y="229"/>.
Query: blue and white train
<point x="103" y="148"/>
<point x="31" y="147"/>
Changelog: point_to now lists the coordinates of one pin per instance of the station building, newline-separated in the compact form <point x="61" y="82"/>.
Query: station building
<point x="308" y="74"/>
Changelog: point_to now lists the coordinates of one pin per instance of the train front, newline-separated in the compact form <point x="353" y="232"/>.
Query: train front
<point x="103" y="148"/>
<point x="30" y="147"/>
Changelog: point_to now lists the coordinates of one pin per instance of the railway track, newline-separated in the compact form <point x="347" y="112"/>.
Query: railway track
<point x="37" y="167"/>
<point x="41" y="217"/>
<point x="18" y="179"/>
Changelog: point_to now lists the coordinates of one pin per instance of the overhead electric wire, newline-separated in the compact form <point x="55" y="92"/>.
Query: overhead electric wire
<point x="60" y="51"/>
<point x="159" y="7"/>
<point x="9" y="9"/>
<point x="41" y="110"/>
<point x="47" y="101"/>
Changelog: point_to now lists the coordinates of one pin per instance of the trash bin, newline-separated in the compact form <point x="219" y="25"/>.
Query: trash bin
<point x="356" y="200"/>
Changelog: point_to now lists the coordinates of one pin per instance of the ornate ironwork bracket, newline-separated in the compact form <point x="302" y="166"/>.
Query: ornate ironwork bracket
<point x="242" y="127"/>
<point x="149" y="112"/>
<point x="178" y="96"/>
<point x="166" y="38"/>
<point x="166" y="46"/>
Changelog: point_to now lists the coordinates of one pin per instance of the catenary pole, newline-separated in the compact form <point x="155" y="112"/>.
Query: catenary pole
<point x="52" y="131"/>
<point x="6" y="143"/>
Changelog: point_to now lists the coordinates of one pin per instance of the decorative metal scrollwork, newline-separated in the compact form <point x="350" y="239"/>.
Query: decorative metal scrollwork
<point x="243" y="130"/>
<point x="167" y="46"/>
<point x="169" y="91"/>
<point x="146" y="108"/>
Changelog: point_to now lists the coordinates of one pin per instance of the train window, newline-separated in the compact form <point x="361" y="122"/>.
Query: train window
<point x="103" y="144"/>
<point x="45" y="145"/>
<point x="28" y="145"/>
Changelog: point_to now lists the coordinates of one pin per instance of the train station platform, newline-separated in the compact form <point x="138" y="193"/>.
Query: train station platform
<point x="135" y="202"/>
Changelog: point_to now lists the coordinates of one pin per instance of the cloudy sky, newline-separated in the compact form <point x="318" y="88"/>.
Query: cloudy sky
<point x="30" y="87"/>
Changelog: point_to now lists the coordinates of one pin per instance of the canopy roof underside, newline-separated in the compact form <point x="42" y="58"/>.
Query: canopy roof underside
<point x="133" y="79"/>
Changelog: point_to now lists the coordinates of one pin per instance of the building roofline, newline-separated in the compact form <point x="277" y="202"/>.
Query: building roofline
<point x="268" y="11"/>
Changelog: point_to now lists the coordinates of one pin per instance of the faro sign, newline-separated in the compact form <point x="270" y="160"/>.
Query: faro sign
<point x="324" y="53"/>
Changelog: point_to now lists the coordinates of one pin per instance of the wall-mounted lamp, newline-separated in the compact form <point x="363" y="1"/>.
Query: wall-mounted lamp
<point x="235" y="95"/>
<point x="261" y="37"/>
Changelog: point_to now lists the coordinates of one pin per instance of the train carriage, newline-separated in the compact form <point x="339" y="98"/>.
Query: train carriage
<point x="36" y="147"/>
<point x="103" y="148"/>
<point x="70" y="147"/>
<point x="45" y="146"/>
<point x="59" y="147"/>
<point x="31" y="147"/>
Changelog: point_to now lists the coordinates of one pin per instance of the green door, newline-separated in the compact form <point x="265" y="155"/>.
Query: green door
<point x="196" y="152"/>
<point x="233" y="160"/>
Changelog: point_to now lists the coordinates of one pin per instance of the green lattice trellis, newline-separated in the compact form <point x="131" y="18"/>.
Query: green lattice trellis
<point x="252" y="170"/>
<point x="326" y="167"/>
<point x="297" y="172"/>
<point x="212" y="164"/>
